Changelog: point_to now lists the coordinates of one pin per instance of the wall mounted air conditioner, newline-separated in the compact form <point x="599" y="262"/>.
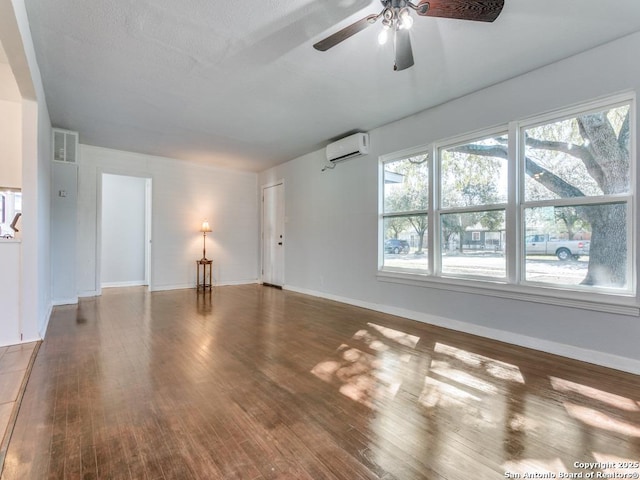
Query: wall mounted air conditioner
<point x="348" y="147"/>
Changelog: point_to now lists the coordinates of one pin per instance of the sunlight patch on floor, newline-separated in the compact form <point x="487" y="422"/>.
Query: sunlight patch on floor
<point x="595" y="418"/>
<point x="442" y="394"/>
<point x="396" y="335"/>
<point x="443" y="369"/>
<point x="495" y="368"/>
<point x="520" y="423"/>
<point x="364" y="377"/>
<point x="623" y="403"/>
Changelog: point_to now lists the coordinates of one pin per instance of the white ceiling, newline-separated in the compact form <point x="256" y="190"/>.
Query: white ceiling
<point x="238" y="84"/>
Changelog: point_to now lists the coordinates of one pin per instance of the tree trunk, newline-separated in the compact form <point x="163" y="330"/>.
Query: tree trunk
<point x="608" y="248"/>
<point x="606" y="158"/>
<point x="420" y="241"/>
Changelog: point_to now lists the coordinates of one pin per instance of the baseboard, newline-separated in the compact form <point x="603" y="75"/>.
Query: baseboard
<point x="64" y="301"/>
<point x="123" y="284"/>
<point x="162" y="288"/>
<point x="577" y="353"/>
<point x="236" y="282"/>
<point x="89" y="293"/>
<point x="47" y="318"/>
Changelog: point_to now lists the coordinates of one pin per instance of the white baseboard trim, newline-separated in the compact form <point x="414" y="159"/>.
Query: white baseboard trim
<point x="123" y="284"/>
<point x="577" y="353"/>
<point x="163" y="288"/>
<point x="20" y="342"/>
<point x="64" y="301"/>
<point x="47" y="318"/>
<point x="89" y="293"/>
<point x="193" y="286"/>
<point x="235" y="282"/>
<point x="31" y="339"/>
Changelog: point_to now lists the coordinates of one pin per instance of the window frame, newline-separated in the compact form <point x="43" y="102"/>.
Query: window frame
<point x="382" y="215"/>
<point x="439" y="210"/>
<point x="515" y="286"/>
<point x="627" y="199"/>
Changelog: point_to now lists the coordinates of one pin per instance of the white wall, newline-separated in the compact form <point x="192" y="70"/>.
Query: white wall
<point x="34" y="135"/>
<point x="183" y="195"/>
<point x="123" y="230"/>
<point x="332" y="226"/>
<point x="9" y="292"/>
<point x="41" y="295"/>
<point x="8" y="86"/>
<point x="64" y="218"/>
<point x="10" y="147"/>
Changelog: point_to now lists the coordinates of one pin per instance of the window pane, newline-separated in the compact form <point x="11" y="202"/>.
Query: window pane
<point x="581" y="245"/>
<point x="586" y="155"/>
<point x="406" y="184"/>
<point x="405" y="242"/>
<point x="473" y="244"/>
<point x="475" y="173"/>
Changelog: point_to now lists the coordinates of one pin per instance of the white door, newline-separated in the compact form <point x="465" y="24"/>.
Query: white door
<point x="273" y="235"/>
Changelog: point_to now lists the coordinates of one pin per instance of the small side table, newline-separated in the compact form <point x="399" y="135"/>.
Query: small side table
<point x="204" y="280"/>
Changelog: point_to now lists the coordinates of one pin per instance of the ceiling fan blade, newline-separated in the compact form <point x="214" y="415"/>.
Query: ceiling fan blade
<point x="478" y="10"/>
<point x="346" y="32"/>
<point x="404" y="53"/>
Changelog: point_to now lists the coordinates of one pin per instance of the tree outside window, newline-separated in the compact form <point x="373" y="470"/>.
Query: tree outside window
<point x="575" y="197"/>
<point x="406" y="202"/>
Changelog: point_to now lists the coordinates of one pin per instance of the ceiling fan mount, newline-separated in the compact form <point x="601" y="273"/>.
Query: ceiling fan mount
<point x="397" y="20"/>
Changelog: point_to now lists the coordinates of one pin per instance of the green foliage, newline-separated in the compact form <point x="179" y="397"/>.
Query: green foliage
<point x="580" y="156"/>
<point x="407" y="190"/>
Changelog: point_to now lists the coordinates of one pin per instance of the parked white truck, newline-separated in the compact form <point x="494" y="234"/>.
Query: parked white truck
<point x="542" y="244"/>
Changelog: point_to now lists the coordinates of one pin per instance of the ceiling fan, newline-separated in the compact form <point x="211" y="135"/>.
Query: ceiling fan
<point x="396" y="19"/>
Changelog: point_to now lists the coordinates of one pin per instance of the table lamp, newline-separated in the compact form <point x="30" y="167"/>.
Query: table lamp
<point x="204" y="229"/>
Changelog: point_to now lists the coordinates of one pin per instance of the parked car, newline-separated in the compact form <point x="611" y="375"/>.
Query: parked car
<point x="542" y="244"/>
<point x="395" y="245"/>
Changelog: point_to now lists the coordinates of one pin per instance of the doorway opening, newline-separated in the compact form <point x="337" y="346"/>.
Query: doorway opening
<point x="125" y="239"/>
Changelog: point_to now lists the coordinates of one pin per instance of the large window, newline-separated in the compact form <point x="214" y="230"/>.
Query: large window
<point x="544" y="202"/>
<point x="473" y="196"/>
<point x="405" y="213"/>
<point x="577" y="189"/>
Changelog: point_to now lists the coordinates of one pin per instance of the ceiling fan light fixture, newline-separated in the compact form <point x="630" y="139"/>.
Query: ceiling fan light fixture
<point x="383" y="36"/>
<point x="405" y="21"/>
<point x="396" y="15"/>
<point x="387" y="16"/>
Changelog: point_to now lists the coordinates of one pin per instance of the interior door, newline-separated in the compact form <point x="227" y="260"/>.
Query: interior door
<point x="273" y="235"/>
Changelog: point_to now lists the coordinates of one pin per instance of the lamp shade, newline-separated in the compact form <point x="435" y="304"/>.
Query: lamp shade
<point x="205" y="227"/>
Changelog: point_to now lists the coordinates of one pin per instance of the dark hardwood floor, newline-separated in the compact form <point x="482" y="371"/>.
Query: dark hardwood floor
<point x="252" y="382"/>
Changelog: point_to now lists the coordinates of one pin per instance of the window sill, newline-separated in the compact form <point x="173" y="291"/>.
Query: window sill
<point x="621" y="304"/>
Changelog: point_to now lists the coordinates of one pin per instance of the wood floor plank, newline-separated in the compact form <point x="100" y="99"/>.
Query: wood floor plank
<point x="260" y="384"/>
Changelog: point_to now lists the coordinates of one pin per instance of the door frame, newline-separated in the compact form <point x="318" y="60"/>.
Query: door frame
<point x="262" y="225"/>
<point x="148" y="209"/>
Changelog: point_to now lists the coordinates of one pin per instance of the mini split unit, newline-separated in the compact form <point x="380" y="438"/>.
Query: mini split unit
<point x="348" y="147"/>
